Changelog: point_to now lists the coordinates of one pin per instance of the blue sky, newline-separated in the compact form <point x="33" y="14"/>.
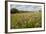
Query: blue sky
<point x="26" y="7"/>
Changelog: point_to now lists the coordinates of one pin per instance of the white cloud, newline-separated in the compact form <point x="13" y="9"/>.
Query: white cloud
<point x="26" y="7"/>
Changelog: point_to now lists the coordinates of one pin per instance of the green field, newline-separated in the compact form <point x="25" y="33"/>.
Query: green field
<point x="26" y="20"/>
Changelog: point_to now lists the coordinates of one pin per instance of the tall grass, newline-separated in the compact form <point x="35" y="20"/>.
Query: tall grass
<point x="26" y="20"/>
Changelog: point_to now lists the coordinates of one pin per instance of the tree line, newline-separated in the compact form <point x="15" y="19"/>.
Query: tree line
<point x="14" y="10"/>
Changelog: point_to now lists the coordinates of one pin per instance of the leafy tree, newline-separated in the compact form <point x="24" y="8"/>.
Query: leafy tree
<point x="14" y="10"/>
<point x="39" y="10"/>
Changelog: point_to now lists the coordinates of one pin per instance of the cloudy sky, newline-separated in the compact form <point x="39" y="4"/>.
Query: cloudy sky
<point x="26" y="7"/>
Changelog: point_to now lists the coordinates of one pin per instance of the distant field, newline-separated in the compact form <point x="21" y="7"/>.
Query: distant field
<point x="26" y="20"/>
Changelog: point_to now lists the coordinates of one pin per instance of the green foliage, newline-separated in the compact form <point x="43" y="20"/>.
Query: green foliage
<point x="14" y="10"/>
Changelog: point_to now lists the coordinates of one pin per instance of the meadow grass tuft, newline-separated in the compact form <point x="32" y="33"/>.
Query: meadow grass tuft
<point x="26" y="20"/>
